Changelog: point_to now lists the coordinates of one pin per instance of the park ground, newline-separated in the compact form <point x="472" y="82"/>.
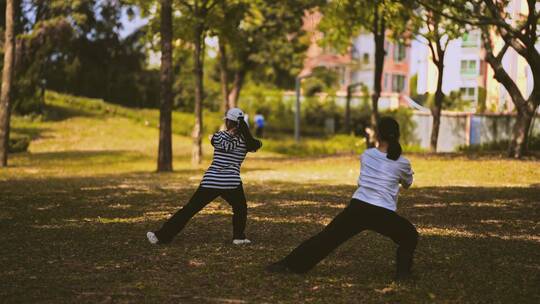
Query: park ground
<point x="74" y="211"/>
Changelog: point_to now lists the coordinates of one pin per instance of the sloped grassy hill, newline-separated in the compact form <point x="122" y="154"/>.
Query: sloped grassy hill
<point x="62" y="107"/>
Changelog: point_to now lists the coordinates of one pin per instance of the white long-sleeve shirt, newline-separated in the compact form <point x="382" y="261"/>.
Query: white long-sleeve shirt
<point x="380" y="178"/>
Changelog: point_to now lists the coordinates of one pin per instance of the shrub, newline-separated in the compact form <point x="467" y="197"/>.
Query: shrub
<point x="277" y="109"/>
<point x="502" y="145"/>
<point x="406" y="124"/>
<point x="313" y="147"/>
<point x="482" y="96"/>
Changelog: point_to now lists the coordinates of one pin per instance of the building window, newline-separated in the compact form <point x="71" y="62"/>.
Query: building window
<point x="468" y="93"/>
<point x="468" y="67"/>
<point x="398" y="83"/>
<point x="342" y="74"/>
<point x="399" y="52"/>
<point x="355" y="53"/>
<point x="470" y="40"/>
<point x="366" y="58"/>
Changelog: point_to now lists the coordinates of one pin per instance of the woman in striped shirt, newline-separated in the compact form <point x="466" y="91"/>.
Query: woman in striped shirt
<point x="221" y="179"/>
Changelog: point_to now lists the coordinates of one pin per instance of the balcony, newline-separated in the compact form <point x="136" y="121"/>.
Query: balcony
<point x="468" y="72"/>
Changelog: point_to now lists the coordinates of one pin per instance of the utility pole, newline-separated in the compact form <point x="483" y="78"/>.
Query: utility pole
<point x="297" y="111"/>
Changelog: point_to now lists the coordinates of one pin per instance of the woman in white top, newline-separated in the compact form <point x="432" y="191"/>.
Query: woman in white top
<point x="372" y="207"/>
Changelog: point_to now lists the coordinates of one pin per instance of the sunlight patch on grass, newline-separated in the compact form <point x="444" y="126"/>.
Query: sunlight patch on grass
<point x="306" y="203"/>
<point x="292" y="220"/>
<point x="53" y="226"/>
<point x="458" y="232"/>
<point x="120" y="206"/>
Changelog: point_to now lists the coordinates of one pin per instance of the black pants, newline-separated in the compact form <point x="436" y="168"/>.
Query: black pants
<point x="356" y="217"/>
<point x="201" y="198"/>
<point x="259" y="131"/>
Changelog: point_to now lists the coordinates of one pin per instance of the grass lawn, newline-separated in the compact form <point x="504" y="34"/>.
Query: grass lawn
<point x="74" y="211"/>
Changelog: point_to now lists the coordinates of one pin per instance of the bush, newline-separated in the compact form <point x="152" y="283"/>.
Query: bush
<point x="18" y="144"/>
<point x="502" y="145"/>
<point x="482" y="96"/>
<point x="406" y="125"/>
<point x="277" y="109"/>
<point x="338" y="144"/>
<point x="314" y="147"/>
<point x="316" y="110"/>
<point x="413" y="86"/>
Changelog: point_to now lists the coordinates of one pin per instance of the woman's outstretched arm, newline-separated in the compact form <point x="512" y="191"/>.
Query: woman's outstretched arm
<point x="252" y="143"/>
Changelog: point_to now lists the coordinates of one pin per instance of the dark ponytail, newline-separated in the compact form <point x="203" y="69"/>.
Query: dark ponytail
<point x="388" y="131"/>
<point x="252" y="143"/>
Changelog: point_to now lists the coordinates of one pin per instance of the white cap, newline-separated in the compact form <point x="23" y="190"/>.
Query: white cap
<point x="233" y="114"/>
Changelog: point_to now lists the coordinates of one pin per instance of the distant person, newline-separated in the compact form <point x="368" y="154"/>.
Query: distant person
<point x="372" y="207"/>
<point x="259" y="125"/>
<point x="221" y="179"/>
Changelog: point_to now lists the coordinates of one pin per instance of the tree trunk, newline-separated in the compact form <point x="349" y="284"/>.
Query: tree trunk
<point x="164" y="163"/>
<point x="526" y="108"/>
<point x="224" y="78"/>
<point x="437" y="107"/>
<point x="7" y="79"/>
<point x="520" y="138"/>
<point x="379" y="36"/>
<point x="348" y="110"/>
<point x="196" y="154"/>
<point x="238" y="83"/>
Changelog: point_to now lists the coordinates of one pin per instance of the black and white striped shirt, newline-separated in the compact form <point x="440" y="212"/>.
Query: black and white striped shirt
<point x="229" y="153"/>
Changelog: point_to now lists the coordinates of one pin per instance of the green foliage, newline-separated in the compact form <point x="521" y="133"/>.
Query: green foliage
<point x="482" y="97"/>
<point x="316" y="110"/>
<point x="277" y="109"/>
<point x="345" y="19"/>
<point x="406" y="125"/>
<point x="498" y="146"/>
<point x="75" y="47"/>
<point x="265" y="38"/>
<point x="184" y="82"/>
<point x="321" y="80"/>
<point x="413" y="86"/>
<point x="337" y="144"/>
<point x="451" y="102"/>
<point x="434" y="27"/>
<point x="279" y="113"/>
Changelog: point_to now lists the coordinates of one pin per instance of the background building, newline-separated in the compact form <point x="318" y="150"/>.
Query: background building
<point x="465" y="69"/>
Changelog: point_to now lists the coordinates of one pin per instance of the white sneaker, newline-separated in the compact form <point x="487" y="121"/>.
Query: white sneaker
<point x="152" y="238"/>
<point x="241" y="242"/>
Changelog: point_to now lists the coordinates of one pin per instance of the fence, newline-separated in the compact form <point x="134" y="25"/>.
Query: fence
<point x="464" y="129"/>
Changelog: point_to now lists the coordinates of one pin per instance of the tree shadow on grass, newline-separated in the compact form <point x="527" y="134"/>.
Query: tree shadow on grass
<point x="79" y="159"/>
<point x="82" y="239"/>
<point x="89" y="158"/>
<point x="31" y="132"/>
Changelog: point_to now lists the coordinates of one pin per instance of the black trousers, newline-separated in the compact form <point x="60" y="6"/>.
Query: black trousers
<point x="202" y="197"/>
<point x="259" y="131"/>
<point x="356" y="217"/>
